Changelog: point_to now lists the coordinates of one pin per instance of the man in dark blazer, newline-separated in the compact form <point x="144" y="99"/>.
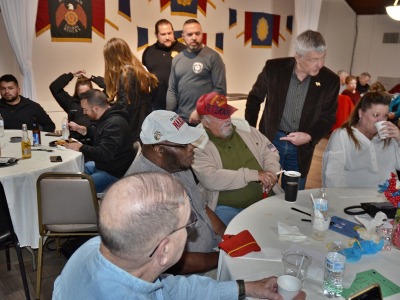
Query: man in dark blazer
<point x="301" y="101"/>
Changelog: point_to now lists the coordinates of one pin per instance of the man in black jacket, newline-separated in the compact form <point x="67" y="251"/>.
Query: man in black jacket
<point x="301" y="101"/>
<point x="17" y="110"/>
<point x="112" y="151"/>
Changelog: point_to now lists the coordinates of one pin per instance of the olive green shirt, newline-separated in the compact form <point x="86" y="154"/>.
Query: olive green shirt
<point x="234" y="155"/>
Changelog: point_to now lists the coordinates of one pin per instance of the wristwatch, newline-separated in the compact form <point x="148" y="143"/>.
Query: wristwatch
<point x="242" y="289"/>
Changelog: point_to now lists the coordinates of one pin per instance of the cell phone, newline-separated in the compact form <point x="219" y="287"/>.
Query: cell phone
<point x="373" y="292"/>
<point x="56" y="158"/>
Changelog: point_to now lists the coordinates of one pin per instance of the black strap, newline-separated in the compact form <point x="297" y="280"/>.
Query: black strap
<point x="242" y="289"/>
<point x="349" y="210"/>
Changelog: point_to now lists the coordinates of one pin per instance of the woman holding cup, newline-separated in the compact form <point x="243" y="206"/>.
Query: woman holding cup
<point x="358" y="155"/>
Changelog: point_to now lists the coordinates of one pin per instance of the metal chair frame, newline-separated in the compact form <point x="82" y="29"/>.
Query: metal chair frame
<point x="79" y="209"/>
<point x="8" y="238"/>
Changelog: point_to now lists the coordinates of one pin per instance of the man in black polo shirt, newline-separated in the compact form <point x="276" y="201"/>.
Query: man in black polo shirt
<point x="158" y="59"/>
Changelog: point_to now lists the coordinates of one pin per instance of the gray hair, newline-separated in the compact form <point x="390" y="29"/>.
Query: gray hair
<point x="139" y="211"/>
<point x="310" y="41"/>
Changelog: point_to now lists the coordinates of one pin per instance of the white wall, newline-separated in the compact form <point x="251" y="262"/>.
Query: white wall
<point x="243" y="63"/>
<point x="8" y="62"/>
<point x="371" y="54"/>
<point x="337" y="24"/>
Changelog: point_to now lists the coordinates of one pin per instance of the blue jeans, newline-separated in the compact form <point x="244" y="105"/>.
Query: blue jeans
<point x="227" y="213"/>
<point x="101" y="179"/>
<point x="288" y="158"/>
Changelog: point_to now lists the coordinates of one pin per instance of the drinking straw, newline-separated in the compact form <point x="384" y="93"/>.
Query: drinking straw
<point x="301" y="265"/>
<point x="312" y="198"/>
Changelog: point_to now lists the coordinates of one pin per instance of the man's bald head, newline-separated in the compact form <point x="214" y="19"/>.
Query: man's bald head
<point x="137" y="212"/>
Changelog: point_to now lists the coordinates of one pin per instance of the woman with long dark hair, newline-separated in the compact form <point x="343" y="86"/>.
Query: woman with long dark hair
<point x="128" y="82"/>
<point x="356" y="156"/>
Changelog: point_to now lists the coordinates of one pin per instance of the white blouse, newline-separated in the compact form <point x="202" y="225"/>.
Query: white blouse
<point x="346" y="166"/>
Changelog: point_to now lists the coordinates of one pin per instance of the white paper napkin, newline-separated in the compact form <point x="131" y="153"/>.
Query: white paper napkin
<point x="290" y="233"/>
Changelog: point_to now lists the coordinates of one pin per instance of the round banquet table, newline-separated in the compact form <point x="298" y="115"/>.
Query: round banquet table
<point x="261" y="220"/>
<point x="19" y="181"/>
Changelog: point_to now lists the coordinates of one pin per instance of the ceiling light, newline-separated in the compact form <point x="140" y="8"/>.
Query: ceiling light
<point x="394" y="11"/>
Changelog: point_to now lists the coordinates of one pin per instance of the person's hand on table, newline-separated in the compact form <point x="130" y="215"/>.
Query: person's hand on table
<point x="267" y="179"/>
<point x="300" y="296"/>
<point x="297" y="138"/>
<point x="267" y="288"/>
<point x="73" y="146"/>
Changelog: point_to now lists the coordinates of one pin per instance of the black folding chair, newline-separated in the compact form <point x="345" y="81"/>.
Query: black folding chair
<point x="8" y="238"/>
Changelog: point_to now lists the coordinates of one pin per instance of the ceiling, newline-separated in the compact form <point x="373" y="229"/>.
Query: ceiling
<point x="369" y="7"/>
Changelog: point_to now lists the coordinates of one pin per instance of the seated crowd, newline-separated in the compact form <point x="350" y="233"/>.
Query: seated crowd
<point x="198" y="178"/>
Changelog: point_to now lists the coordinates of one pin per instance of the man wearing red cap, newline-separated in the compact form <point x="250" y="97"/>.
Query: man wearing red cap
<point x="238" y="163"/>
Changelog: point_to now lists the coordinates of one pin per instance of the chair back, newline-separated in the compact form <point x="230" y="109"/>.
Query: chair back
<point x="6" y="226"/>
<point x="67" y="202"/>
<point x="344" y="109"/>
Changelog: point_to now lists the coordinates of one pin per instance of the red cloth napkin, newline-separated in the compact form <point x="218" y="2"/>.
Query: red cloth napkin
<point x="239" y="244"/>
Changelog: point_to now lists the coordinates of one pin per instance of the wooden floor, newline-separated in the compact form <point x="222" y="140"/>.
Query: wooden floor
<point x="11" y="287"/>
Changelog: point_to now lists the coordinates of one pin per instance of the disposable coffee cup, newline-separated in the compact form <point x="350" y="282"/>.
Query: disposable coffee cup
<point x="288" y="286"/>
<point x="292" y="185"/>
<point x="379" y="126"/>
<point x="291" y="189"/>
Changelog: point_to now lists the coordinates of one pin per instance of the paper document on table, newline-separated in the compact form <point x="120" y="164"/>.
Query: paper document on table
<point x="266" y="253"/>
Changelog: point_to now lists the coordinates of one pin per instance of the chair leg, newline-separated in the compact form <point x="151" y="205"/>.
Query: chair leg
<point x="29" y="249"/>
<point x="39" y="268"/>
<point x="8" y="258"/>
<point x="22" y="268"/>
<point x="58" y="246"/>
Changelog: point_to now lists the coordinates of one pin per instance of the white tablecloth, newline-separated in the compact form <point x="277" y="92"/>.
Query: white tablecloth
<point x="19" y="182"/>
<point x="261" y="220"/>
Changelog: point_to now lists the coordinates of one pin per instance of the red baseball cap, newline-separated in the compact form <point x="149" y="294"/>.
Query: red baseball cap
<point x="214" y="104"/>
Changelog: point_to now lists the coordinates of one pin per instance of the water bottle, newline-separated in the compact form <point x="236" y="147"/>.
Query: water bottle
<point x="64" y="129"/>
<point x="333" y="276"/>
<point x="321" y="218"/>
<point x="1" y="126"/>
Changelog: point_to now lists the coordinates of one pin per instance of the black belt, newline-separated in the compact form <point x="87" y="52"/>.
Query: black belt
<point x="285" y="132"/>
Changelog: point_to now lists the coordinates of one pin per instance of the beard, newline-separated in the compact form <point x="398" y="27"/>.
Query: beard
<point x="11" y="99"/>
<point x="226" y="130"/>
<point x="174" y="162"/>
